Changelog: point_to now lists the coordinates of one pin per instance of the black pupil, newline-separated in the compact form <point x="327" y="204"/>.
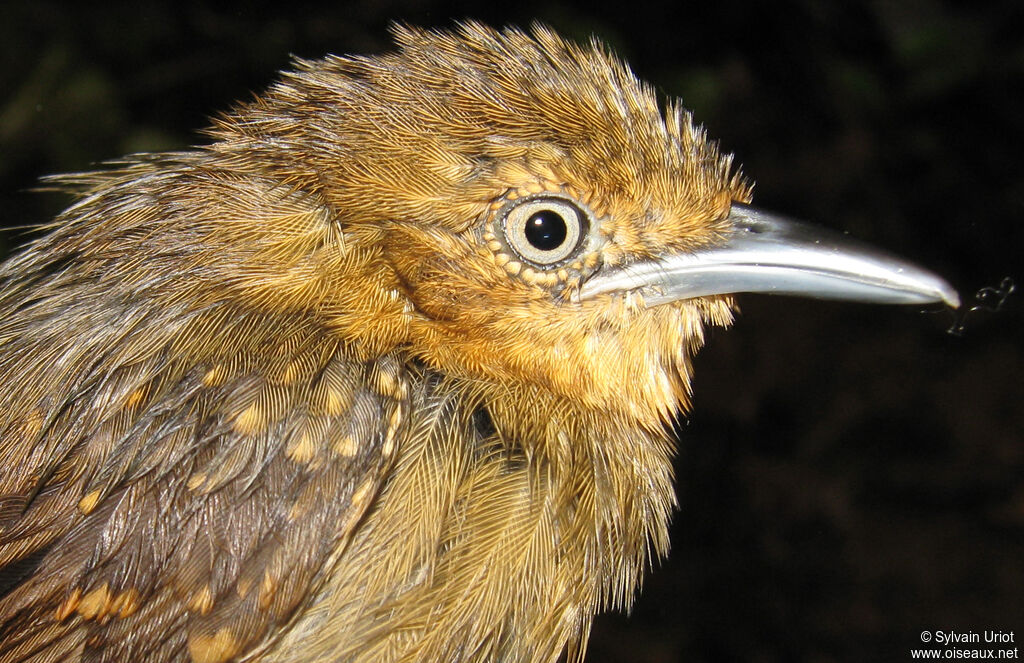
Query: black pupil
<point x="546" y="230"/>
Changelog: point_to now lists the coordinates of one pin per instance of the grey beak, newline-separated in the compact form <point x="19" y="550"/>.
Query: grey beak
<point x="771" y="254"/>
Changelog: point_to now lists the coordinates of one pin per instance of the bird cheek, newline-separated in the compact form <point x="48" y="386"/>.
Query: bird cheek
<point x="442" y="275"/>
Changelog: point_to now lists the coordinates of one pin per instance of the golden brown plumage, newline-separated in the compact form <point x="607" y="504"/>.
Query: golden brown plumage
<point x="313" y="393"/>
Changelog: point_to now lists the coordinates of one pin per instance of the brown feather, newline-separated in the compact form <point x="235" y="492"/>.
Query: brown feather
<point x="289" y="396"/>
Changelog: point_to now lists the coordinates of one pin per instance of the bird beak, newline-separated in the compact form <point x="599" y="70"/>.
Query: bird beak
<point x="770" y="254"/>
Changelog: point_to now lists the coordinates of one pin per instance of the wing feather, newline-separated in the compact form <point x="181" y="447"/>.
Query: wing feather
<point x="170" y="508"/>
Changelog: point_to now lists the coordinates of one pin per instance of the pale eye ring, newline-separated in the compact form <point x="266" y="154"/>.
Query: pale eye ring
<point x="544" y="231"/>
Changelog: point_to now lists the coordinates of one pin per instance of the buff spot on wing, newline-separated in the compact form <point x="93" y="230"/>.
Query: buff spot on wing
<point x="393" y="423"/>
<point x="346" y="446"/>
<point x="69" y="605"/>
<point x="196" y="480"/>
<point x="217" y="648"/>
<point x="360" y="500"/>
<point x="95" y="604"/>
<point x="251" y="420"/>
<point x="202" y="601"/>
<point x="303" y="449"/>
<point x="335" y="402"/>
<point x="135" y="397"/>
<point x="127" y="603"/>
<point x="268" y="589"/>
<point x="215" y="376"/>
<point x="89" y="502"/>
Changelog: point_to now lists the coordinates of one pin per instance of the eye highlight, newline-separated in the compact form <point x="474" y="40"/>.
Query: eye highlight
<point x="544" y="230"/>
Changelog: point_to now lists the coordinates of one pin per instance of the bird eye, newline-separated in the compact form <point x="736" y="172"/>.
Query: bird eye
<point x="544" y="231"/>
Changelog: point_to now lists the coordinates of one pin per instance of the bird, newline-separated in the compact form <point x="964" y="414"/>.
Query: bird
<point x="386" y="370"/>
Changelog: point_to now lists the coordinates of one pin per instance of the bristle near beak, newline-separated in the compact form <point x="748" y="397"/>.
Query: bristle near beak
<point x="770" y="254"/>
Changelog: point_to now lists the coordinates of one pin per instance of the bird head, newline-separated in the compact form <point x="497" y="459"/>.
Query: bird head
<point x="468" y="187"/>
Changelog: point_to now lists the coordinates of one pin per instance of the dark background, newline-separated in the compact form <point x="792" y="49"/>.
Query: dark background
<point x="851" y="475"/>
